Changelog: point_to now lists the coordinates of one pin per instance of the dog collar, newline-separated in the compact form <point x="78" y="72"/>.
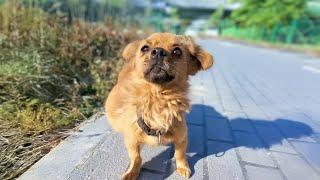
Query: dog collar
<point x="146" y="129"/>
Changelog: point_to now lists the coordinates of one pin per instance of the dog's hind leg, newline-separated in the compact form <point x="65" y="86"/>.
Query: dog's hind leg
<point x="181" y="159"/>
<point x="133" y="171"/>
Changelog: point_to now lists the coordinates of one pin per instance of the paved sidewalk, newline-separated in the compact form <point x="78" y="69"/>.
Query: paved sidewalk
<point x="255" y="115"/>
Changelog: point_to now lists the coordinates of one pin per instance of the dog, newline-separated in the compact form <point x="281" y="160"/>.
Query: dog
<point x="148" y="103"/>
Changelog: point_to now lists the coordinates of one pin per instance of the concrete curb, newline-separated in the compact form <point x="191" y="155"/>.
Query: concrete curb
<point x="73" y="151"/>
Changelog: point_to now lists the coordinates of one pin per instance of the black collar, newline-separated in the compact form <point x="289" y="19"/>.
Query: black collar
<point x="145" y="127"/>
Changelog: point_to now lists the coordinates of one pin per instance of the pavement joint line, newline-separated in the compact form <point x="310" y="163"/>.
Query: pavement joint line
<point x="259" y="165"/>
<point x="262" y="94"/>
<point x="194" y="124"/>
<point x="221" y="141"/>
<point x="235" y="111"/>
<point x="228" y="84"/>
<point x="232" y="111"/>
<point x="239" y="159"/>
<point x="279" y="130"/>
<point x="293" y="147"/>
<point x="288" y="93"/>
<point x="92" y="151"/>
<point x="317" y="122"/>
<point x="243" y="131"/>
<point x="216" y="117"/>
<point x="205" y="147"/>
<point x="90" y="154"/>
<point x="233" y="94"/>
<point x="295" y="107"/>
<point x="151" y="171"/>
<point x="252" y="124"/>
<point x="218" y="93"/>
<point x="280" y="110"/>
<point x="242" y="164"/>
<point x="271" y="150"/>
<point x="298" y="155"/>
<point x="259" y="136"/>
<point x="302" y="157"/>
<point x="170" y="161"/>
<point x="297" y="140"/>
<point x="262" y="110"/>
<point x="248" y="95"/>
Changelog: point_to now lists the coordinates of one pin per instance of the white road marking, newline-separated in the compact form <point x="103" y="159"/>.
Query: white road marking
<point x="229" y="44"/>
<point x="312" y="66"/>
<point x="311" y="69"/>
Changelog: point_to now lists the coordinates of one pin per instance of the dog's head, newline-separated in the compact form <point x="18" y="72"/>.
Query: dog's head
<point x="167" y="58"/>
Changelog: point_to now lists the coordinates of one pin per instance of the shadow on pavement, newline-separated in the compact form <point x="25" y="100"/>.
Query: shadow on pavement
<point x="275" y="131"/>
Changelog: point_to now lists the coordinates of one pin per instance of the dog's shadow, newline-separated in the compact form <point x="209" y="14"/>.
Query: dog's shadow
<point x="198" y="126"/>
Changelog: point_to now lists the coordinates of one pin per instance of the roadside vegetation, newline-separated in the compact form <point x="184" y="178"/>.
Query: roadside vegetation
<point x="291" y="24"/>
<point x="55" y="72"/>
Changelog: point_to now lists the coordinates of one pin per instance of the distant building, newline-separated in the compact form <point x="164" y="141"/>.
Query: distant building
<point x="191" y="9"/>
<point x="188" y="9"/>
<point x="161" y="11"/>
<point x="204" y="4"/>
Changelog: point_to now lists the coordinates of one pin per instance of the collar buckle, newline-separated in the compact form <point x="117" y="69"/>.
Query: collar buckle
<point x="159" y="138"/>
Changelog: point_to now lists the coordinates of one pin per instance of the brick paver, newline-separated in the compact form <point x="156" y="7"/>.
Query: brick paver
<point x="255" y="115"/>
<point x="261" y="173"/>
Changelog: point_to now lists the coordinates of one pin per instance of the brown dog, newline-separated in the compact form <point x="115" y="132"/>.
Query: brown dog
<point x="150" y="99"/>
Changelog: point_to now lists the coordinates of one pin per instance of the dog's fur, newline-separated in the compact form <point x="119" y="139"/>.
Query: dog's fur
<point x="159" y="92"/>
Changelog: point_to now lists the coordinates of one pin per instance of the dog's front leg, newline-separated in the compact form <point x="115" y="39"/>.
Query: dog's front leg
<point x="135" y="160"/>
<point x="181" y="159"/>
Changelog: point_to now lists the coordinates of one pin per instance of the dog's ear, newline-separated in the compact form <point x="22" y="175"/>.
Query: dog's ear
<point x="199" y="58"/>
<point x="130" y="50"/>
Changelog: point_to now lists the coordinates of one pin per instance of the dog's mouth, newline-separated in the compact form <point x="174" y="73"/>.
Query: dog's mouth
<point x="157" y="74"/>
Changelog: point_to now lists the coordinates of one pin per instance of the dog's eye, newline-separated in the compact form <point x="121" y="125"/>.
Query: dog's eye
<point x="177" y="52"/>
<point x="145" y="48"/>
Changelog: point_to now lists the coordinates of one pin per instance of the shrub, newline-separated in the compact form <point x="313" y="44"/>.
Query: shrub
<point x="52" y="75"/>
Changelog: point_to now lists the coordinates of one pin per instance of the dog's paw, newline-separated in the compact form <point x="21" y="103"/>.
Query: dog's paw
<point x="184" y="171"/>
<point x="130" y="176"/>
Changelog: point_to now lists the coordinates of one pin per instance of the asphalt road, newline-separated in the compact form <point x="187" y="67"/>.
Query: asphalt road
<point x="255" y="115"/>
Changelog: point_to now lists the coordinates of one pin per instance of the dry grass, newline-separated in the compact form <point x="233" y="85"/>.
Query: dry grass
<point x="53" y="75"/>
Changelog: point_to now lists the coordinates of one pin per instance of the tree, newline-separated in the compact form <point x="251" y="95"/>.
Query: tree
<point x="268" y="13"/>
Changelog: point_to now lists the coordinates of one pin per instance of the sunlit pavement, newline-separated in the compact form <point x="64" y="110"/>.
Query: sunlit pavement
<point x="255" y="115"/>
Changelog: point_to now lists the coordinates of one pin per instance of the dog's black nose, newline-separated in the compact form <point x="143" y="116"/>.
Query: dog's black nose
<point x="158" y="53"/>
